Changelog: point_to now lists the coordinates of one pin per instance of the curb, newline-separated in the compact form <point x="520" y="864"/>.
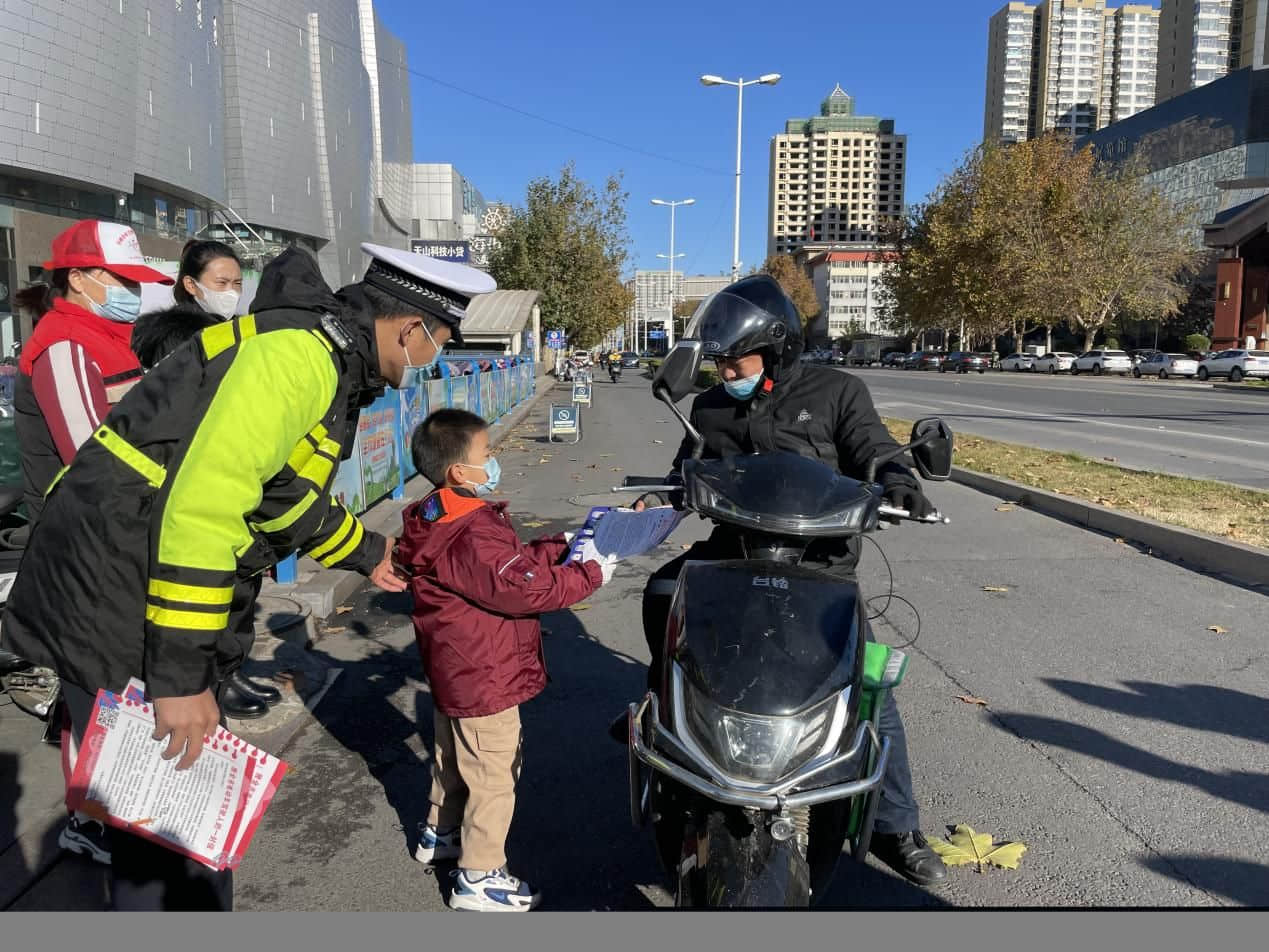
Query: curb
<point x="1244" y="564"/>
<point x="321" y="589"/>
<point x="1241" y="388"/>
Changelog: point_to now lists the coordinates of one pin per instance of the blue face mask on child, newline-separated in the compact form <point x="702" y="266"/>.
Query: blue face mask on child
<point x="493" y="472"/>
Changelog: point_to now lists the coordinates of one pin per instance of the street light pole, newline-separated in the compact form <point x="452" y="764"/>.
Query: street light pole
<point x="672" y="206"/>
<point x="767" y="79"/>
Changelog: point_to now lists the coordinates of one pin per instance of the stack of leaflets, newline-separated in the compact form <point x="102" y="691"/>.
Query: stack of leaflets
<point x="208" y="813"/>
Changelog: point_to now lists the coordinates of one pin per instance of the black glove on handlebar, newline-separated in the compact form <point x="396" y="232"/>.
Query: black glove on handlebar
<point x="904" y="492"/>
<point x="675" y="498"/>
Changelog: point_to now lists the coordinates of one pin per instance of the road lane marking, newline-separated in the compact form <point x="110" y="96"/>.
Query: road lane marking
<point x="1243" y="462"/>
<point x="1043" y="416"/>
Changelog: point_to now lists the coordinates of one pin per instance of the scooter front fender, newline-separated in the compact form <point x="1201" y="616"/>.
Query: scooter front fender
<point x="737" y="865"/>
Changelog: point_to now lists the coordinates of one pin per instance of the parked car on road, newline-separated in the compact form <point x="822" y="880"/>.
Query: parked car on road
<point x="930" y="360"/>
<point x="629" y="358"/>
<point x="1137" y="356"/>
<point x="1018" y="361"/>
<point x="894" y="359"/>
<point x="1235" y="364"/>
<point x="962" y="362"/>
<point x="1058" y="361"/>
<point x="1100" y="362"/>
<point x="911" y="360"/>
<point x="1166" y="365"/>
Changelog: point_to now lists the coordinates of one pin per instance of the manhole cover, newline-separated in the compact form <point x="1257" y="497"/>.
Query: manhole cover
<point x="277" y="613"/>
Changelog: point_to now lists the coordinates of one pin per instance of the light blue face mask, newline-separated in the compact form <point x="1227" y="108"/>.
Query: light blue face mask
<point x="493" y="472"/>
<point x="122" y="304"/>
<point x="743" y="388"/>
<point x="413" y="373"/>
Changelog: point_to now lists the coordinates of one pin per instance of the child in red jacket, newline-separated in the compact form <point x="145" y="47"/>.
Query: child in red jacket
<point x="478" y="592"/>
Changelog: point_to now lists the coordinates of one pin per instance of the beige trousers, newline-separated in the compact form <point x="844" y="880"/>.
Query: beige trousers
<point x="474" y="774"/>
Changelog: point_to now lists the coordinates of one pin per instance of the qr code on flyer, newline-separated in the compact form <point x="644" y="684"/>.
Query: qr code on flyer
<point x="107" y="717"/>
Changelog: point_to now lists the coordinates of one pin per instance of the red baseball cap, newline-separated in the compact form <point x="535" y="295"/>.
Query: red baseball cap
<point x="107" y="245"/>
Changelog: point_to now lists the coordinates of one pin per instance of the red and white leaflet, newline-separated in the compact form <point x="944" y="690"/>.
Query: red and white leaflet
<point x="203" y="812"/>
<point x="264" y="773"/>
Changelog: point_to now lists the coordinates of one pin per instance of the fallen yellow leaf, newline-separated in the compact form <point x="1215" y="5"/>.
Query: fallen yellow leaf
<point x="1217" y="629"/>
<point x="580" y="608"/>
<point x="1005" y="508"/>
<point x="970" y="699"/>
<point x="995" y="588"/>
<point x="965" y="846"/>
<point x="343" y="609"/>
<point x="533" y="525"/>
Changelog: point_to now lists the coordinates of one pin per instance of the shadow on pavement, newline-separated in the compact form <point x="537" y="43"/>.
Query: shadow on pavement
<point x="1204" y="707"/>
<point x="1238" y="880"/>
<point x="1243" y="787"/>
<point x="572" y="835"/>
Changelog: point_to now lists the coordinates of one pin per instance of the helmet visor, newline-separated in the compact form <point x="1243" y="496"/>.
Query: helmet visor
<point x="730" y="326"/>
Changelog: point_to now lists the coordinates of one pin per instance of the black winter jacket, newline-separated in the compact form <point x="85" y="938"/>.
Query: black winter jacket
<point x="816" y="412"/>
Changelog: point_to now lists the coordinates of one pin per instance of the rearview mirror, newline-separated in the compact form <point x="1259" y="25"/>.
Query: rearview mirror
<point x="677" y="374"/>
<point x="932" y="445"/>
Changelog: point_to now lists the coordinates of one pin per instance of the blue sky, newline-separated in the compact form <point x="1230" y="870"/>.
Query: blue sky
<point x="629" y="73"/>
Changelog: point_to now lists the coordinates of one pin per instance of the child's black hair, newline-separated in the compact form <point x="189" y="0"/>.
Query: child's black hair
<point x="158" y="333"/>
<point x="443" y="439"/>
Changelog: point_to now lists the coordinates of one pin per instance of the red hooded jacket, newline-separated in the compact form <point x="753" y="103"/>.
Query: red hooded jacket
<point x="478" y="591"/>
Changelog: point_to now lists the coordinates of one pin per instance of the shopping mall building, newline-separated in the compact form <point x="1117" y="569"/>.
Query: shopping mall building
<point x="262" y="124"/>
<point x="1209" y="149"/>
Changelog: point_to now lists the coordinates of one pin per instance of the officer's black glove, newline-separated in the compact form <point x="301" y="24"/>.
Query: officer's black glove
<point x="904" y="492"/>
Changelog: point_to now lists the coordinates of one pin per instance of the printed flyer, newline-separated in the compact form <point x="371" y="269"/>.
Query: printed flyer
<point x="208" y="813"/>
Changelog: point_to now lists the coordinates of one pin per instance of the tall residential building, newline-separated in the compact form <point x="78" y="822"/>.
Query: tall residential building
<point x="219" y="118"/>
<point x="1067" y="65"/>
<point x="834" y="177"/>
<point x="1203" y="40"/>
<point x="1011" y="73"/>
<point x="1136" y="51"/>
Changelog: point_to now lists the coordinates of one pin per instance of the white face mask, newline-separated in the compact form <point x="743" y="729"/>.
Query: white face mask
<point x="223" y="304"/>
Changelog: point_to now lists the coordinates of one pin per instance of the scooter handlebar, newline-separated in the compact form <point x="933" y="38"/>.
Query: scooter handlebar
<point x="935" y="518"/>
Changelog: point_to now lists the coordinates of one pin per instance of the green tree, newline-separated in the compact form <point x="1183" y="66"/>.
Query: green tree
<point x="795" y="283"/>
<point x="1198" y="342"/>
<point x="1035" y="235"/>
<point x="569" y="241"/>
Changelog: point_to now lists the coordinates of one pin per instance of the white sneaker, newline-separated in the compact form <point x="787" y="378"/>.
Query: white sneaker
<point x="496" y="890"/>
<point x="86" y="837"/>
<point x="435" y="845"/>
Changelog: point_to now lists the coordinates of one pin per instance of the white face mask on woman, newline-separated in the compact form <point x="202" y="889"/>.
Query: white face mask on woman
<point x="223" y="304"/>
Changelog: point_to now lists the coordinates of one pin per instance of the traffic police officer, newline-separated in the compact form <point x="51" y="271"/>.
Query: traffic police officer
<point x="148" y="556"/>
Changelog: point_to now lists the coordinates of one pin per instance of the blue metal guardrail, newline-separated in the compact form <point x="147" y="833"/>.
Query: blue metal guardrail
<point x="381" y="462"/>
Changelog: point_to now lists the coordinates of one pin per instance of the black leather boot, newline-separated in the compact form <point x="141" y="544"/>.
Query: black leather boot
<point x="237" y="704"/>
<point x="263" y="692"/>
<point x="909" y="855"/>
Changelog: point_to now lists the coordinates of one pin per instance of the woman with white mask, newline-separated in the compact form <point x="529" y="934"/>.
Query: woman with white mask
<point x="210" y="278"/>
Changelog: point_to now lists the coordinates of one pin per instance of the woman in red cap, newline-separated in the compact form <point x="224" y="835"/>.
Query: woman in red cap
<point x="79" y="361"/>
<point x="77" y="364"/>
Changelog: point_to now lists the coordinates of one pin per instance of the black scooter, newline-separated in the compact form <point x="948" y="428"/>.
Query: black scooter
<point x="614" y="370"/>
<point x="759" y="756"/>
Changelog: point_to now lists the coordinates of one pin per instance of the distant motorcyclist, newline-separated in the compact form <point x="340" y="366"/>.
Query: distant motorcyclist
<point x="769" y="401"/>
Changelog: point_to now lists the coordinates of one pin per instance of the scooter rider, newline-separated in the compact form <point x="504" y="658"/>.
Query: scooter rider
<point x="769" y="401"/>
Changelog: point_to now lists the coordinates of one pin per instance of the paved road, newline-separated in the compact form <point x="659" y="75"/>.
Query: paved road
<point x="1123" y="742"/>
<point x="1169" y="426"/>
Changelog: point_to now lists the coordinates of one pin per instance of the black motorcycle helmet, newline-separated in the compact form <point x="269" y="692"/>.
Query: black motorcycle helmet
<point x="753" y="314"/>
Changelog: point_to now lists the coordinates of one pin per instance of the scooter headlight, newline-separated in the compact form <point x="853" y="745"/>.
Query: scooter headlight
<point x="756" y="748"/>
